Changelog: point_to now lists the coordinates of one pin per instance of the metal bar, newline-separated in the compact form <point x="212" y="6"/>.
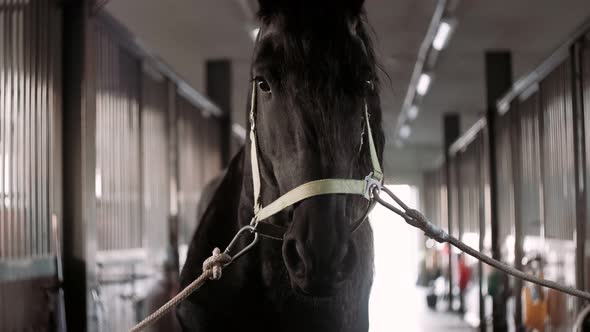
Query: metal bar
<point x="99" y="160"/>
<point x="578" y="119"/>
<point x="517" y="160"/>
<point x="27" y="132"/>
<point x="44" y="133"/>
<point x="35" y="146"/>
<point x="120" y="116"/>
<point x="20" y="136"/>
<point x="451" y="133"/>
<point x="141" y="228"/>
<point x="9" y="132"/>
<point x="27" y="268"/>
<point x="173" y="180"/>
<point x="79" y="140"/>
<point x="554" y="60"/>
<point x="482" y="228"/>
<point x="498" y="70"/>
<point x="44" y="219"/>
<point x="585" y="94"/>
<point x="131" y="43"/>
<point x="468" y="137"/>
<point x="3" y="97"/>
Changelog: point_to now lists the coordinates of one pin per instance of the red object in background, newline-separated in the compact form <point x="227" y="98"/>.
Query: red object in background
<point x="464" y="273"/>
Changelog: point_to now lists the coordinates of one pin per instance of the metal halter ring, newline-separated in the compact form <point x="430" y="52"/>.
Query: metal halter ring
<point x="374" y="191"/>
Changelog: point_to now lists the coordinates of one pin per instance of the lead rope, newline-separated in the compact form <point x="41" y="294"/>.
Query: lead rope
<point x="214" y="265"/>
<point x="212" y="268"/>
<point x="417" y="219"/>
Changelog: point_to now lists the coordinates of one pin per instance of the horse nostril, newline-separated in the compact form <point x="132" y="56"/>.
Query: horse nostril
<point x="294" y="258"/>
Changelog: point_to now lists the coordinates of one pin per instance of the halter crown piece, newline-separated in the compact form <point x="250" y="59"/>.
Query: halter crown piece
<point x="366" y="187"/>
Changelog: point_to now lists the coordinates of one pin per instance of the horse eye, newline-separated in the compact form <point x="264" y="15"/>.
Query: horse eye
<point x="263" y="85"/>
<point x="370" y="85"/>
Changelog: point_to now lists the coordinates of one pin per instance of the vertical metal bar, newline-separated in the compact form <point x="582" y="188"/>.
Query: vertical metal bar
<point x="108" y="135"/>
<point x="518" y="150"/>
<point x="102" y="132"/>
<point x="173" y="180"/>
<point x="578" y="118"/>
<point x="26" y="146"/>
<point x="36" y="130"/>
<point x="122" y="117"/>
<point x="20" y="130"/>
<point x="125" y="218"/>
<point x="139" y="187"/>
<point x="10" y="141"/>
<point x="31" y="126"/>
<point x="3" y="97"/>
<point x="119" y="150"/>
<point x="585" y="82"/>
<point x="48" y="131"/>
<point x="498" y="71"/>
<point x="79" y="164"/>
<point x="42" y="137"/>
<point x="482" y="228"/>
<point x="451" y="133"/>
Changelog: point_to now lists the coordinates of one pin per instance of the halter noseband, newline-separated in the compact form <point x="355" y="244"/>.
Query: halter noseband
<point x="366" y="187"/>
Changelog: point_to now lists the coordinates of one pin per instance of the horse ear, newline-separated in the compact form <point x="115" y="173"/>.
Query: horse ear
<point x="267" y="8"/>
<point x="355" y="6"/>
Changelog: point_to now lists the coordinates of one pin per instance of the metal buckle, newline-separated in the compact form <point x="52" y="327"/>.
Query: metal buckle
<point x="251" y="229"/>
<point x="372" y="184"/>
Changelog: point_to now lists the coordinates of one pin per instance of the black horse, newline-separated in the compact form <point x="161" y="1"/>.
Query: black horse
<point x="314" y="69"/>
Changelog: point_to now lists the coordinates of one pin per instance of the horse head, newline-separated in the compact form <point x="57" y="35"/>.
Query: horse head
<point x="313" y="74"/>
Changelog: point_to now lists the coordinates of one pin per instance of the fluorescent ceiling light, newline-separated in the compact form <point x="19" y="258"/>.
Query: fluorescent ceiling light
<point x="254" y="33"/>
<point x="405" y="131"/>
<point x="423" y="84"/>
<point x="442" y="36"/>
<point x="413" y="112"/>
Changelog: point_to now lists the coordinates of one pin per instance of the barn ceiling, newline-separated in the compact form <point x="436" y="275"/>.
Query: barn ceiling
<point x="186" y="33"/>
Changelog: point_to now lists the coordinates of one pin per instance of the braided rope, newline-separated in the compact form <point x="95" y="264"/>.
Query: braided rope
<point x="418" y="220"/>
<point x="212" y="268"/>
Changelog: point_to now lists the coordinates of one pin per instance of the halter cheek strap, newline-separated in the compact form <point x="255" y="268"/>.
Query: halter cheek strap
<point x="359" y="187"/>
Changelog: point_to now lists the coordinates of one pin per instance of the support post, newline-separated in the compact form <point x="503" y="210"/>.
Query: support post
<point x="173" y="165"/>
<point x="219" y="89"/>
<point x="79" y="157"/>
<point x="498" y="75"/>
<point x="579" y="164"/>
<point x="451" y="131"/>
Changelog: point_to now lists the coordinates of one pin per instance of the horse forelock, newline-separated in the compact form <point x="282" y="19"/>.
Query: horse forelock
<point x="319" y="67"/>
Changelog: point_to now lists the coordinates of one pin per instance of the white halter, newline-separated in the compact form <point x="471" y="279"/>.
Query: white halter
<point x="365" y="187"/>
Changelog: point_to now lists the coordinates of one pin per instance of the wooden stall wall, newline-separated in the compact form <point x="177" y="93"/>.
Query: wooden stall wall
<point x="503" y="146"/>
<point x="30" y="164"/>
<point x="199" y="161"/>
<point x="132" y="183"/>
<point x="471" y="204"/>
<point x="155" y="165"/>
<point x="118" y="165"/>
<point x="558" y="178"/>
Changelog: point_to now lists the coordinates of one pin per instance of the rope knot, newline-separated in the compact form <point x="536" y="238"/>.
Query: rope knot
<point x="213" y="265"/>
<point x="431" y="230"/>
